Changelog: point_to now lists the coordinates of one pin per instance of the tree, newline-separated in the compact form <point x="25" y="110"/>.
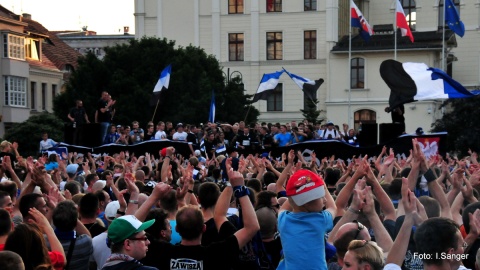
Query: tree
<point x="311" y="113"/>
<point x="29" y="133"/>
<point x="231" y="102"/>
<point x="129" y="73"/>
<point x="462" y="125"/>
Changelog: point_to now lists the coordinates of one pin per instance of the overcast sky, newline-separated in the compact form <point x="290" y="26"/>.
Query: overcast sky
<point x="102" y="16"/>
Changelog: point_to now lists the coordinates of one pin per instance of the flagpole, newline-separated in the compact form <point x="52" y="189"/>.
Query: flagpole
<point x="350" y="66"/>
<point x="246" y="115"/>
<point x="154" y="112"/>
<point x="395" y="30"/>
<point x="443" y="37"/>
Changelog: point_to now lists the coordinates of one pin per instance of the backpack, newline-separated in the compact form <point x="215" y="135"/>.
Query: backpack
<point x="325" y="132"/>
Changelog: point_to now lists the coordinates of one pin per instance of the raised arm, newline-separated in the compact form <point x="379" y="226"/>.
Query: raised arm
<point x="159" y="191"/>
<point x="385" y="202"/>
<point x="249" y="218"/>
<point x="400" y="245"/>
<point x="223" y="202"/>
<point x="382" y="237"/>
<point x="347" y="190"/>
<point x="280" y="185"/>
<point x="166" y="163"/>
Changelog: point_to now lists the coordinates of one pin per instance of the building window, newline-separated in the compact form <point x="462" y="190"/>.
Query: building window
<point x="310" y="44"/>
<point x="358" y="73"/>
<point x="44" y="96"/>
<point x="274" y="5"/>
<point x="274" y="46"/>
<point x="54" y="91"/>
<point x="33" y="94"/>
<point x="32" y="49"/>
<point x="235" y="6"/>
<point x="410" y="9"/>
<point x="235" y="47"/>
<point x="441" y="20"/>
<point x="364" y="117"/>
<point x="275" y="99"/>
<point x="15" y="91"/>
<point x="310" y="5"/>
<point x="13" y="46"/>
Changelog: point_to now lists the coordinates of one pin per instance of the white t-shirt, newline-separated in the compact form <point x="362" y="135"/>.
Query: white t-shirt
<point x="101" y="251"/>
<point x="180" y="136"/>
<point x="335" y="134"/>
<point x="160" y="135"/>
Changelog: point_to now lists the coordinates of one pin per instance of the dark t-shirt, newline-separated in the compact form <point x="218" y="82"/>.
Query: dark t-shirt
<point x="219" y="255"/>
<point x="78" y="114"/>
<point x="105" y="116"/>
<point x="95" y="228"/>
<point x="267" y="140"/>
<point x="193" y="140"/>
<point x="210" y="147"/>
<point x="274" y="249"/>
<point x="211" y="234"/>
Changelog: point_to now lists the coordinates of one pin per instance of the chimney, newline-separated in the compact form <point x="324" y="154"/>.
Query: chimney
<point x="125" y="30"/>
<point x="27" y="16"/>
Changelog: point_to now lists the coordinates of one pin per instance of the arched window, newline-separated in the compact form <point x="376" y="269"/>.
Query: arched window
<point x="365" y="117"/>
<point x="358" y="73"/>
<point x="410" y="9"/>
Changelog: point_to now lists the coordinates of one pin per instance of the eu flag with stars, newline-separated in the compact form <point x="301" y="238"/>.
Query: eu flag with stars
<point x="453" y="18"/>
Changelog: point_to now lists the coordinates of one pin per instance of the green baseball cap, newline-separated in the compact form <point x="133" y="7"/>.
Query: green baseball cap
<point x="124" y="227"/>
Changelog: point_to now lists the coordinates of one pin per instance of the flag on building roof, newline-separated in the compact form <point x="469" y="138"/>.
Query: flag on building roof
<point x="410" y="82"/>
<point x="309" y="87"/>
<point x="358" y="20"/>
<point x="453" y="19"/>
<point x="164" y="80"/>
<point x="402" y="21"/>
<point x="267" y="85"/>
<point x="211" y="115"/>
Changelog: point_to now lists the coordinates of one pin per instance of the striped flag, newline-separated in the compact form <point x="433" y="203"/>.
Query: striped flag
<point x="267" y="85"/>
<point x="164" y="80"/>
<point x="402" y="21"/>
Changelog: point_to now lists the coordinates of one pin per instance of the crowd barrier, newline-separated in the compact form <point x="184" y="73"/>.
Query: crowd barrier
<point x="431" y="144"/>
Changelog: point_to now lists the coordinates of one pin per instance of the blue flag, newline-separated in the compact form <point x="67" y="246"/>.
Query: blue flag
<point x="211" y="116"/>
<point x="453" y="18"/>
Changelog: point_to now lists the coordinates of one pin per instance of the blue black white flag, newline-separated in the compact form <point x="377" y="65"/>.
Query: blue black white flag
<point x="267" y="85"/>
<point x="410" y="82"/>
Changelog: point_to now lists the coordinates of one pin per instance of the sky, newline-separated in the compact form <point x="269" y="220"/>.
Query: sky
<point x="102" y="16"/>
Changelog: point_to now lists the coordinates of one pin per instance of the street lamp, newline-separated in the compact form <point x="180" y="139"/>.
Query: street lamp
<point x="235" y="74"/>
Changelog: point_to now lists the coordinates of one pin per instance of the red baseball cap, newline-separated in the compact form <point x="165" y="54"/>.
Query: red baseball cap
<point x="305" y="186"/>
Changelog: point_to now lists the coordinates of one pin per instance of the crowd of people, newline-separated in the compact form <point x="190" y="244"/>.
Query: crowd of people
<point x="216" y="137"/>
<point x="221" y="210"/>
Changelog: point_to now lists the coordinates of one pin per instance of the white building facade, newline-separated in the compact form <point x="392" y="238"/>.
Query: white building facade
<point x="305" y="37"/>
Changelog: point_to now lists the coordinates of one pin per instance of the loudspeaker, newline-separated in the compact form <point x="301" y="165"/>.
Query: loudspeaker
<point x="89" y="135"/>
<point x="368" y="135"/>
<point x="390" y="131"/>
<point x="68" y="134"/>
